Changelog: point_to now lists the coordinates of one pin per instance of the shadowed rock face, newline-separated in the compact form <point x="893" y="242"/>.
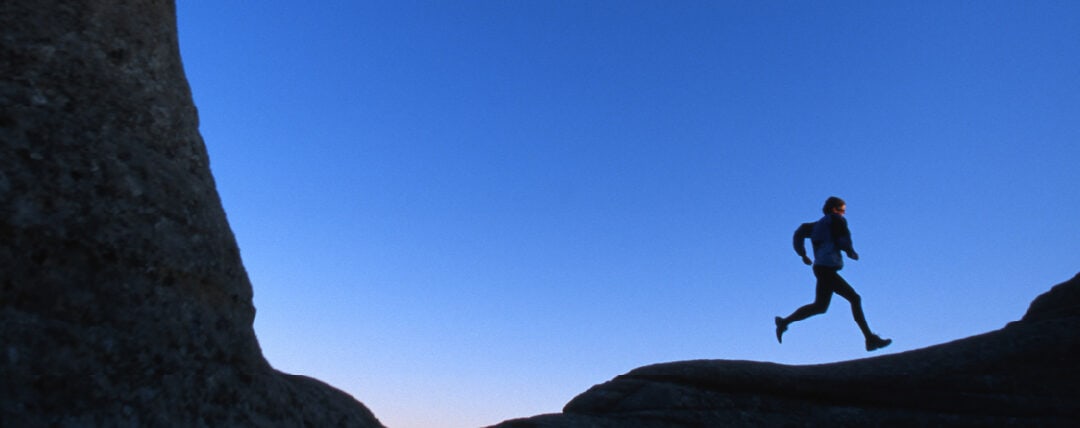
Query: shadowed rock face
<point x="1026" y="374"/>
<point x="123" y="300"/>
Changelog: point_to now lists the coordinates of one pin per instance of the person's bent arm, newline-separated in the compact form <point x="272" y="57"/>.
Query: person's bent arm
<point x="799" y="241"/>
<point x="842" y="237"/>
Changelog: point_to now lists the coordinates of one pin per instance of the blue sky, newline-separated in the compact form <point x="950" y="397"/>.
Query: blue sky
<point x="465" y="212"/>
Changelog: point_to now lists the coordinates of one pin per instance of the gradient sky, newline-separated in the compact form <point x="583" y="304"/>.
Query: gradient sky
<point x="462" y="212"/>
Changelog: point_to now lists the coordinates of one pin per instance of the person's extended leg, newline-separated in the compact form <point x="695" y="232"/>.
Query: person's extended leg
<point x="846" y="291"/>
<point x="822" y="297"/>
<point x="819" y="306"/>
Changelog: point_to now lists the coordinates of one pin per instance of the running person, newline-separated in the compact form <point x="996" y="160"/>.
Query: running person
<point x="829" y="236"/>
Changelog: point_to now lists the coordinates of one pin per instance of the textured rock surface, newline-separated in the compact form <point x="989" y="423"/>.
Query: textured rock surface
<point x="123" y="301"/>
<point x="1026" y="374"/>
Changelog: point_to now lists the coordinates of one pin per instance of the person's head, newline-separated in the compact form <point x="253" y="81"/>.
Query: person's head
<point x="834" y="205"/>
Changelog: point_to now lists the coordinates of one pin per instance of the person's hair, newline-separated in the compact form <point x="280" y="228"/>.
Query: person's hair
<point x="832" y="202"/>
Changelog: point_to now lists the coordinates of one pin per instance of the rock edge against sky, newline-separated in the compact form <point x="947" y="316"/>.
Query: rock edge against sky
<point x="124" y="300"/>
<point x="1022" y="375"/>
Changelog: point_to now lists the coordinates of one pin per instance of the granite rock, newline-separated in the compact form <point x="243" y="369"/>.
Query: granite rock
<point x="1025" y="374"/>
<point x="123" y="298"/>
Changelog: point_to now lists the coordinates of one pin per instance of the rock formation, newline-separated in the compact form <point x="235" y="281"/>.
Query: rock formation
<point x="1026" y="374"/>
<point x="123" y="301"/>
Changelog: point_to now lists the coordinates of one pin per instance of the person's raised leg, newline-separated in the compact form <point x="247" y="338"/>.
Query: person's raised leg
<point x="822" y="297"/>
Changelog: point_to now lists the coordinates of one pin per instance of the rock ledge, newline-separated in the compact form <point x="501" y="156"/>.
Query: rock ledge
<point x="1022" y="375"/>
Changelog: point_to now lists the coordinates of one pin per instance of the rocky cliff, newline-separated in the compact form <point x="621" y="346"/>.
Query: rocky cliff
<point x="1026" y="374"/>
<point x="123" y="301"/>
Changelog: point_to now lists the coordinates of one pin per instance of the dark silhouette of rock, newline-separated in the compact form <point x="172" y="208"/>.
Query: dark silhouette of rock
<point x="123" y="301"/>
<point x="1026" y="374"/>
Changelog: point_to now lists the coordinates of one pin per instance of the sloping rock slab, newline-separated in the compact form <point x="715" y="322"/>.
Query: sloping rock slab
<point x="1026" y="374"/>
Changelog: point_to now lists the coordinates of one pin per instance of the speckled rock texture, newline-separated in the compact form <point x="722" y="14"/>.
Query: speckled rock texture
<point x="123" y="300"/>
<point x="1026" y="374"/>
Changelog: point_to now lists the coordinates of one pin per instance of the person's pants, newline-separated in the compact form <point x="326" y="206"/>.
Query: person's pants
<point x="829" y="281"/>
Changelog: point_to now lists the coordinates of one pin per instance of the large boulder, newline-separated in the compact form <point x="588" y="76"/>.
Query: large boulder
<point x="1026" y="374"/>
<point x="123" y="300"/>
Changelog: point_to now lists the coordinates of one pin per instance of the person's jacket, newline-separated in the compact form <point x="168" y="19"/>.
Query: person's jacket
<point x="829" y="236"/>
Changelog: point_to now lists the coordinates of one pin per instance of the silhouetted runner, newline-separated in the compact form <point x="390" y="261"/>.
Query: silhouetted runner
<point x="829" y="237"/>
